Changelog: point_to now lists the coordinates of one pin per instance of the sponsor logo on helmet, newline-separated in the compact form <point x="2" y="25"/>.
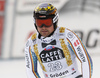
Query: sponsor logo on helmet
<point x="42" y="16"/>
<point x="42" y="12"/>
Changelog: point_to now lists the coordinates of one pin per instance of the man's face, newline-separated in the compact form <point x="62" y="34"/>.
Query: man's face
<point x="45" y="31"/>
<point x="45" y="26"/>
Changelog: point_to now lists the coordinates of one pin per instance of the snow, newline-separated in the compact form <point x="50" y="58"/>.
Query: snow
<point x="16" y="68"/>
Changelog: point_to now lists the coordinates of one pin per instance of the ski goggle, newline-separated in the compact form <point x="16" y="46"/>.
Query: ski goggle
<point x="44" y="22"/>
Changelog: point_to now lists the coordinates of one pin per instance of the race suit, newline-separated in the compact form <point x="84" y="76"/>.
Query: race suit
<point x="57" y="55"/>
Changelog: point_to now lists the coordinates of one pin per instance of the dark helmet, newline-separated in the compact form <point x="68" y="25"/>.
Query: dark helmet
<point x="44" y="11"/>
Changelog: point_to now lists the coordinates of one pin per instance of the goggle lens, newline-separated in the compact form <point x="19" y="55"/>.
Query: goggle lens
<point x="46" y="22"/>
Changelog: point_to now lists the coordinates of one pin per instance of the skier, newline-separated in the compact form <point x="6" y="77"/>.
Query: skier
<point x="56" y="48"/>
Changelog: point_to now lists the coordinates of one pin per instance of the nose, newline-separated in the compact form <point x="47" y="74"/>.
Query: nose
<point x="43" y="27"/>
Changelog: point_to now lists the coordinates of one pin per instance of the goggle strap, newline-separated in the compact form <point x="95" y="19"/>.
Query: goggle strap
<point x="34" y="21"/>
<point x="55" y="18"/>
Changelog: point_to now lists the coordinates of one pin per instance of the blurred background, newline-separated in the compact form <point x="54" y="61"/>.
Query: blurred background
<point x="16" y="26"/>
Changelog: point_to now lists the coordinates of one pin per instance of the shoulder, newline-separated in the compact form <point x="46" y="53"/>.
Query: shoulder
<point x="31" y="40"/>
<point x="64" y="30"/>
<point x="33" y="36"/>
<point x="68" y="32"/>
